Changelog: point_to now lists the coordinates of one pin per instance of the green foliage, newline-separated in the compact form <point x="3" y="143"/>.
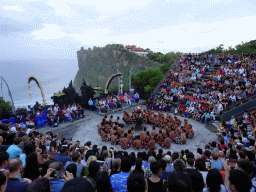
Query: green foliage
<point x="149" y="78"/>
<point x="142" y="78"/>
<point x="248" y="47"/>
<point x="162" y="58"/>
<point x="5" y="105"/>
<point x="147" y="91"/>
<point x="113" y="90"/>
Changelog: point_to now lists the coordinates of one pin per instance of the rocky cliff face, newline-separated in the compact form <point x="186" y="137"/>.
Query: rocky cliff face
<point x="98" y="64"/>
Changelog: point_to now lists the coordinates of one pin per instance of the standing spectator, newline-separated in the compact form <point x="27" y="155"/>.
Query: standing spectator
<point x="3" y="181"/>
<point x="214" y="181"/>
<point x="76" y="159"/>
<point x="14" y="150"/>
<point x="90" y="103"/>
<point x="13" y="183"/>
<point x="32" y="169"/>
<point x="136" y="182"/>
<point x="169" y="167"/>
<point x="56" y="183"/>
<point x="119" y="181"/>
<point x="62" y="157"/>
<point x="154" y="182"/>
<point x="137" y="97"/>
<point x="179" y="181"/>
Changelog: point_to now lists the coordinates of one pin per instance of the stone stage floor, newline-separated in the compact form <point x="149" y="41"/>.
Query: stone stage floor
<point x="86" y="130"/>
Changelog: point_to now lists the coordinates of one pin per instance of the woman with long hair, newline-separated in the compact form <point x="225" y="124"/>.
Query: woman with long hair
<point x="32" y="168"/>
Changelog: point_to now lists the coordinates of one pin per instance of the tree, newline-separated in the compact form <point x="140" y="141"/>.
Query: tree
<point x="5" y="105"/>
<point x="87" y="93"/>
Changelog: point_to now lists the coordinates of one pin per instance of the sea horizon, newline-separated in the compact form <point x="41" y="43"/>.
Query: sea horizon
<point x="54" y="74"/>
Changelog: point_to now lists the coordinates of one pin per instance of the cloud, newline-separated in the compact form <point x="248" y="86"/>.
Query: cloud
<point x="60" y="27"/>
<point x="13" y="8"/>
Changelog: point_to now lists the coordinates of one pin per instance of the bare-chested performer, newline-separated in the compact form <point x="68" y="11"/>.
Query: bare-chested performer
<point x="167" y="142"/>
<point x="190" y="132"/>
<point x="183" y="137"/>
<point x="124" y="142"/>
<point x="177" y="120"/>
<point x="152" y="143"/>
<point x="160" y="138"/>
<point x="119" y="131"/>
<point x="137" y="143"/>
<point x="104" y="135"/>
<point x="143" y="134"/>
<point x="153" y="132"/>
<point x="114" y="139"/>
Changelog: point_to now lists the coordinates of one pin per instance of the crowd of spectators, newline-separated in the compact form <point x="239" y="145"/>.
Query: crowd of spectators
<point x="112" y="102"/>
<point x="32" y="161"/>
<point x="203" y="97"/>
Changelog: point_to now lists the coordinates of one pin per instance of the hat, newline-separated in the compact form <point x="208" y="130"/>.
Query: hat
<point x="79" y="184"/>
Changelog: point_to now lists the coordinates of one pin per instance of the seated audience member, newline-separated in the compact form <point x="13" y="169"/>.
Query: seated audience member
<point x="136" y="182"/>
<point x="56" y="183"/>
<point x="3" y="181"/>
<point x="31" y="170"/>
<point x="214" y="181"/>
<point x="76" y="159"/>
<point x="215" y="162"/>
<point x="103" y="181"/>
<point x="14" y="184"/>
<point x="197" y="181"/>
<point x="72" y="168"/>
<point x="39" y="185"/>
<point x="14" y="150"/>
<point x="119" y="181"/>
<point x="179" y="165"/>
<point x="154" y="182"/>
<point x="179" y="181"/>
<point x="62" y="156"/>
<point x="79" y="185"/>
<point x="4" y="160"/>
<point x="239" y="181"/>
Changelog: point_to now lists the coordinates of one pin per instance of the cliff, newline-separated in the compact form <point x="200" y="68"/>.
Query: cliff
<point x="98" y="64"/>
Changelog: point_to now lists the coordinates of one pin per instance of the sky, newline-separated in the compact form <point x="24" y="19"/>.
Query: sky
<point x="59" y="28"/>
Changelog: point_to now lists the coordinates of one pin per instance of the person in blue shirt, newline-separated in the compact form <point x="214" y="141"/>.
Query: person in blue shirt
<point x="215" y="162"/>
<point x="62" y="157"/>
<point x="90" y="103"/>
<point x="76" y="158"/>
<point x="119" y="181"/>
<point x="56" y="183"/>
<point x="14" y="150"/>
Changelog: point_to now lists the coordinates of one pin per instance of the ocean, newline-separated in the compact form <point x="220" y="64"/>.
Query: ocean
<point x="54" y="75"/>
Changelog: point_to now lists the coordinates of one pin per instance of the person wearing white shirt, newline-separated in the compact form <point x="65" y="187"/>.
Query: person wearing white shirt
<point x="74" y="109"/>
<point x="219" y="107"/>
<point x="55" y="109"/>
<point x="233" y="99"/>
<point x="14" y="128"/>
<point x="232" y="120"/>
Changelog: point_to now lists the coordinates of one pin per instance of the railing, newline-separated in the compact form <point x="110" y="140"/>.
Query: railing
<point x="238" y="109"/>
<point x="239" y="104"/>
